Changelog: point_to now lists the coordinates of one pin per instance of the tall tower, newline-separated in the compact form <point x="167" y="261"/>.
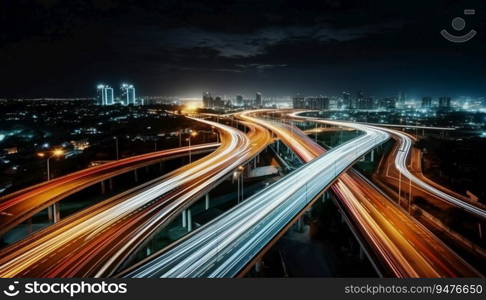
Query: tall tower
<point x="128" y="91"/>
<point x="426" y="102"/>
<point x="258" y="99"/>
<point x="239" y="100"/>
<point x="207" y="100"/>
<point x="445" y="102"/>
<point x="101" y="94"/>
<point x="105" y="94"/>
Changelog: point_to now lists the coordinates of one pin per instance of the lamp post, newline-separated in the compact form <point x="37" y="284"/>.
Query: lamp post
<point x="400" y="183"/>
<point x="116" y="147"/>
<point x="193" y="134"/>
<point x="238" y="175"/>
<point x="55" y="153"/>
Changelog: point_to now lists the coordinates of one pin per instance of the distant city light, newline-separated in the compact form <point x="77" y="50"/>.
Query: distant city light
<point x="58" y="152"/>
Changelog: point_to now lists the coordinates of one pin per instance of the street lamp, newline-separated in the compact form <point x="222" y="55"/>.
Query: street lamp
<point x="193" y="134"/>
<point x="116" y="147"/>
<point x="237" y="174"/>
<point x="55" y="153"/>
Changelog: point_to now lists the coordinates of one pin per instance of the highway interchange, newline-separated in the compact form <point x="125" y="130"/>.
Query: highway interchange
<point x="96" y="241"/>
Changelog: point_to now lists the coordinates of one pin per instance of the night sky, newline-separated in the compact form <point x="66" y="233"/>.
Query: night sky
<point x="55" y="48"/>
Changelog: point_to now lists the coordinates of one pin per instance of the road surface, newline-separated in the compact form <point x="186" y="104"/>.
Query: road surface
<point x="94" y="242"/>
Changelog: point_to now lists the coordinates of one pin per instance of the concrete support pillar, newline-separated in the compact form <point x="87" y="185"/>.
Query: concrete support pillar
<point x="110" y="184"/>
<point x="148" y="252"/>
<point x="29" y="225"/>
<point x="206" y="201"/>
<point x="135" y="175"/>
<point x="189" y="220"/>
<point x="258" y="266"/>
<point x="184" y="216"/>
<point x="361" y="253"/>
<point x="103" y="188"/>
<point x="326" y="196"/>
<point x="372" y="157"/>
<point x="54" y="212"/>
<point x="300" y="224"/>
<point x="480" y="230"/>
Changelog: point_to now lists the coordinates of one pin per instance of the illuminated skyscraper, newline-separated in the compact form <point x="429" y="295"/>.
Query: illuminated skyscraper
<point x="207" y="100"/>
<point x="426" y="102"/>
<point x="318" y="103"/>
<point x="258" y="99"/>
<point x="445" y="102"/>
<point x="128" y="92"/>
<point x="298" y="102"/>
<point x="346" y="98"/>
<point x="239" y="100"/>
<point x="105" y="95"/>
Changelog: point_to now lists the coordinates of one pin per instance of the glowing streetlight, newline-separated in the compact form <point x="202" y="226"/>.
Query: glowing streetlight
<point x="192" y="134"/>
<point x="238" y="174"/>
<point x="58" y="152"/>
<point x="116" y="147"/>
<point x="55" y="153"/>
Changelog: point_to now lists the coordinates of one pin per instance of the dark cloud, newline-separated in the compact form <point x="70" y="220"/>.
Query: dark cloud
<point x="62" y="48"/>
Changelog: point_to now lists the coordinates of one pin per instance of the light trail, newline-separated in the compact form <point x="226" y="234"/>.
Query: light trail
<point x="227" y="244"/>
<point x="97" y="240"/>
<point x="407" y="247"/>
<point x="401" y="165"/>
<point x="23" y="204"/>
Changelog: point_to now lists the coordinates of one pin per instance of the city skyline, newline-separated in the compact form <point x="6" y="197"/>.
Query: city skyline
<point x="331" y="139"/>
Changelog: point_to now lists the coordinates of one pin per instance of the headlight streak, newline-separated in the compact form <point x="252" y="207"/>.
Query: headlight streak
<point x="88" y="226"/>
<point x="408" y="248"/>
<point x="249" y="226"/>
<point x="401" y="165"/>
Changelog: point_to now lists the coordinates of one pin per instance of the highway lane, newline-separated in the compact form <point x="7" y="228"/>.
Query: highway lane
<point x="96" y="241"/>
<point x="407" y="247"/>
<point x="403" y="153"/>
<point x="23" y="204"/>
<point x="226" y="245"/>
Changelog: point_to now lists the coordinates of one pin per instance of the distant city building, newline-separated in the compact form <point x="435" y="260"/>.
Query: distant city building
<point x="239" y="100"/>
<point x="207" y="100"/>
<point x="365" y="103"/>
<point x="128" y="94"/>
<point x="346" y="101"/>
<point x="210" y="102"/>
<point x="105" y="95"/>
<point x="218" y="102"/>
<point x="426" y="102"/>
<point x="258" y="99"/>
<point x="401" y="98"/>
<point x="387" y="103"/>
<point x="445" y="102"/>
<point x="362" y="102"/>
<point x="317" y="103"/>
<point x="298" y="102"/>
